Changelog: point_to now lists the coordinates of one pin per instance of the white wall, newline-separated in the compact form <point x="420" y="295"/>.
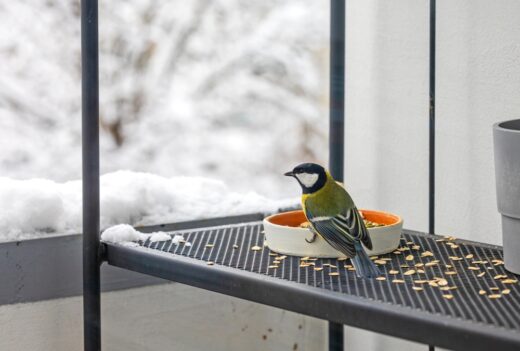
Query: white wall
<point x="387" y="156"/>
<point x="478" y="83"/>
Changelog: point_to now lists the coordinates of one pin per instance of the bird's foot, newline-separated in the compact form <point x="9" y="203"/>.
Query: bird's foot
<point x="313" y="239"/>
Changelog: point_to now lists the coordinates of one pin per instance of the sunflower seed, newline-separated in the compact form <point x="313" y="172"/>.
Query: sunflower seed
<point x="256" y="248"/>
<point x="409" y="272"/>
<point x="397" y="281"/>
<point x="494" y="296"/>
<point x="481" y="274"/>
<point x="482" y="292"/>
<point x="448" y="296"/>
<point x="506" y="291"/>
<point x="393" y="271"/>
<point x="417" y="288"/>
<point x="409" y="258"/>
<point x="334" y="273"/>
<point x="469" y="256"/>
<point x="381" y="278"/>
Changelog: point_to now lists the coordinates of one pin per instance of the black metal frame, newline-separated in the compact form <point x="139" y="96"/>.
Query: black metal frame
<point x="93" y="251"/>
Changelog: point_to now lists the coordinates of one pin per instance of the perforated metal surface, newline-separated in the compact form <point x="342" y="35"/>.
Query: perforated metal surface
<point x="231" y="246"/>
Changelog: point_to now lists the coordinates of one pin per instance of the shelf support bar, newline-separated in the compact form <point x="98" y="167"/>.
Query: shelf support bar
<point x="90" y="160"/>
<point x="337" y="121"/>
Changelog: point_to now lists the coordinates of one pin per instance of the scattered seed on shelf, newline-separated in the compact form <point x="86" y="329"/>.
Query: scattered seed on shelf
<point x="380" y="261"/>
<point x="318" y="268"/>
<point x="409" y="243"/>
<point x="442" y="282"/>
<point x="342" y="259"/>
<point x="421" y="281"/>
<point x="473" y="268"/>
<point x="426" y="254"/>
<point x="409" y="258"/>
<point x="506" y="291"/>
<point x="494" y="296"/>
<point x="273" y="266"/>
<point x="303" y="265"/>
<point x="282" y="257"/>
<point x="455" y="258"/>
<point x="304" y="258"/>
<point x="481" y="274"/>
<point x="430" y="264"/>
<point x="419" y="264"/>
<point x="334" y="273"/>
<point x="416" y="247"/>
<point x="397" y="281"/>
<point x="448" y="296"/>
<point x="210" y="245"/>
<point x="469" y="256"/>
<point x="381" y="278"/>
<point x="256" y="248"/>
<point x="409" y="272"/>
<point x="210" y="263"/>
<point x="393" y="271"/>
<point x="351" y="269"/>
<point x="479" y="262"/>
<point x="500" y="276"/>
<point x="482" y="292"/>
<point x="417" y="288"/>
<point x="494" y="288"/>
<point x="235" y="246"/>
<point x="510" y="281"/>
<point x="273" y="254"/>
<point x="404" y="266"/>
<point x="450" y="272"/>
<point x="433" y="283"/>
<point x="448" y="266"/>
<point x="421" y="271"/>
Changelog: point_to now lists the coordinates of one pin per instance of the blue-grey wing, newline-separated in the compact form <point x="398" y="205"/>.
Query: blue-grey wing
<point x="356" y="227"/>
<point x="342" y="231"/>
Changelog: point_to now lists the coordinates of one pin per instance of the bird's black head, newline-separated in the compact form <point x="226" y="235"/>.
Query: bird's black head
<point x="311" y="176"/>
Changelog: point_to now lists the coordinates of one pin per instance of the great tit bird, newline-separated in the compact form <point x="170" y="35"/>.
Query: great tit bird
<point x="333" y="215"/>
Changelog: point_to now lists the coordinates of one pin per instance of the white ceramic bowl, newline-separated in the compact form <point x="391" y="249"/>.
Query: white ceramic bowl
<point x="283" y="235"/>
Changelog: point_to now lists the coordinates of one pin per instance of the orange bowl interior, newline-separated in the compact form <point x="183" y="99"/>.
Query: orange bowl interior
<point x="295" y="218"/>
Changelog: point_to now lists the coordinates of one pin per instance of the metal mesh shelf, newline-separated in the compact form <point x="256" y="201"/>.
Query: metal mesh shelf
<point x="420" y="299"/>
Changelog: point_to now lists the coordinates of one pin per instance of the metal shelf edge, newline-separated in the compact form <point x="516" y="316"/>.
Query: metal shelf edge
<point x="350" y="310"/>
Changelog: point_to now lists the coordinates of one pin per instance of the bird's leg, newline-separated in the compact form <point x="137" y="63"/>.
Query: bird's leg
<point x="313" y="239"/>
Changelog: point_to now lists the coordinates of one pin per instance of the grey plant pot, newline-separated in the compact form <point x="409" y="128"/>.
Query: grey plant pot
<point x="506" y="139"/>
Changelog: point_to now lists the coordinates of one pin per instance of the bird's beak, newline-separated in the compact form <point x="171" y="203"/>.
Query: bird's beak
<point x="289" y="174"/>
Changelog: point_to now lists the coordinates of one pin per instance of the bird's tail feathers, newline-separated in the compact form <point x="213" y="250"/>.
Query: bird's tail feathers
<point x="364" y="266"/>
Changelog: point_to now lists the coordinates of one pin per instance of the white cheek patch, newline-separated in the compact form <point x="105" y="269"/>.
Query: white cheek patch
<point x="308" y="179"/>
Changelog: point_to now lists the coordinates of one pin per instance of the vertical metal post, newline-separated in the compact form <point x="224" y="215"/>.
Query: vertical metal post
<point x="431" y="217"/>
<point x="90" y="151"/>
<point x="337" y="88"/>
<point x="337" y="120"/>
<point x="431" y="197"/>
